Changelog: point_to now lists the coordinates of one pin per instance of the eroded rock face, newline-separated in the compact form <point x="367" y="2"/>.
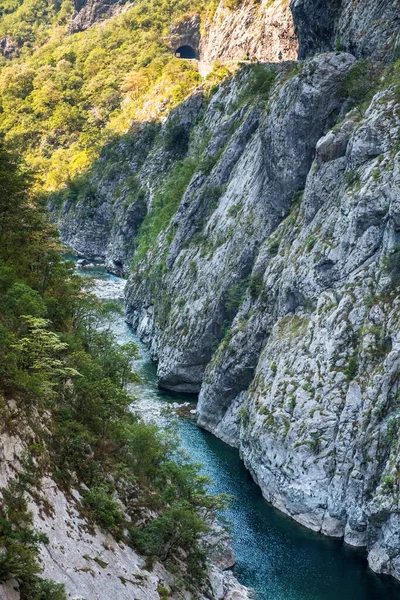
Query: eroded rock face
<point x="89" y="12"/>
<point x="259" y="30"/>
<point x="8" y="47"/>
<point x="235" y="207"/>
<point x="186" y="32"/>
<point x="88" y="562"/>
<point x="368" y="28"/>
<point x="102" y="221"/>
<point x="318" y="424"/>
<point x="274" y="290"/>
<point x="94" y="565"/>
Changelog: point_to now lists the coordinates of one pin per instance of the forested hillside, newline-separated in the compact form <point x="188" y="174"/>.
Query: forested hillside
<point x="64" y="96"/>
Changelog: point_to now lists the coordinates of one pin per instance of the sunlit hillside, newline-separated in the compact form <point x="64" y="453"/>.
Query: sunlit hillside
<point x="64" y="95"/>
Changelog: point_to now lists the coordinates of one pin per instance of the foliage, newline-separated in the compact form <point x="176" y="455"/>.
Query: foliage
<point x="352" y="366"/>
<point x="66" y="95"/>
<point x="19" y="548"/>
<point x="232" y="4"/>
<point x="176" y="140"/>
<point x="360" y="83"/>
<point x="177" y="528"/>
<point x="391" y="264"/>
<point x="259" y="81"/>
<point x="62" y="365"/>
<point x="234" y="297"/>
<point x="256" y="285"/>
<point x="104" y="509"/>
<point x="164" y="206"/>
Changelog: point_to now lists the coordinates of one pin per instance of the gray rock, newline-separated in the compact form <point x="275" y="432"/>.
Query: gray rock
<point x="367" y="29"/>
<point x="274" y="289"/>
<point x="89" y="12"/>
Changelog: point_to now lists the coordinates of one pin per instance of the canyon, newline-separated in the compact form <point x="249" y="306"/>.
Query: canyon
<point x="272" y="291"/>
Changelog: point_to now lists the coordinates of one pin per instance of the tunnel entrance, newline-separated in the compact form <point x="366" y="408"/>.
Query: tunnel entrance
<point x="186" y="52"/>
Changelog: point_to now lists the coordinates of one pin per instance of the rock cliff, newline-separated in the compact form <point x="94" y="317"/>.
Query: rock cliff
<point x="273" y="291"/>
<point x="89" y="12"/>
<point x="366" y="28"/>
<point x="258" y="30"/>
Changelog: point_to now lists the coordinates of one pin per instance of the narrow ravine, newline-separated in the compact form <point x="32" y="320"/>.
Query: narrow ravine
<point x="280" y="559"/>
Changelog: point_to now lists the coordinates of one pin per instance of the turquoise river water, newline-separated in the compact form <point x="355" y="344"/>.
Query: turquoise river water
<point x="278" y="558"/>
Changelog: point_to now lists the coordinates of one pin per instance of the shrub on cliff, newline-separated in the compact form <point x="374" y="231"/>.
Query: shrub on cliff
<point x="67" y="375"/>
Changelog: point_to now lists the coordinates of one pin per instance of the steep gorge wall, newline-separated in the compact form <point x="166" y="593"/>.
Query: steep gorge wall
<point x="258" y="30"/>
<point x="274" y="31"/>
<point x="274" y="289"/>
<point x="90" y="562"/>
<point x="225" y="215"/>
<point x="317" y="420"/>
<point x="366" y="28"/>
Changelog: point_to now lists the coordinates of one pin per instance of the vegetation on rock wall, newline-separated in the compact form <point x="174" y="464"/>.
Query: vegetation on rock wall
<point x="67" y="381"/>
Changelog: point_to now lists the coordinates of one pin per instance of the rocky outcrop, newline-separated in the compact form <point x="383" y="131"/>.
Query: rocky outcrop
<point x="185" y="32"/>
<point x="315" y="22"/>
<point x="89" y="12"/>
<point x="102" y="219"/>
<point x="318" y="423"/>
<point x="88" y="562"/>
<point x="251" y="30"/>
<point x="261" y="167"/>
<point x="365" y="28"/>
<point x="8" y="47"/>
<point x="93" y="565"/>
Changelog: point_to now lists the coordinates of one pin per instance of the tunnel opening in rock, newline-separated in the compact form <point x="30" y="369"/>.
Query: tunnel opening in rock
<point x="186" y="52"/>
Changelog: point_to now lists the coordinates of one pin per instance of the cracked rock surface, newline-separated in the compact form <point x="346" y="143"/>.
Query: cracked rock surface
<point x="274" y="290"/>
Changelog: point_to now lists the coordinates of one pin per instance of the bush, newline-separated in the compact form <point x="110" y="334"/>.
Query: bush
<point x="234" y="298"/>
<point x="391" y="265"/>
<point x="360" y="83"/>
<point x="20" y="544"/>
<point x="103" y="508"/>
<point x="176" y="140"/>
<point x="256" y="285"/>
<point x="260" y="80"/>
<point x="43" y="589"/>
<point x="352" y="366"/>
<point x="164" y="206"/>
<point x="232" y="4"/>
<point x="274" y="247"/>
<point x="178" y="527"/>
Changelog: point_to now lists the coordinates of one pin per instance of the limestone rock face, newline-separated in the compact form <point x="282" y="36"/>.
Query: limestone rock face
<point x="304" y="380"/>
<point x="9" y="590"/>
<point x="186" y="32"/>
<point x="259" y="30"/>
<point x="317" y="424"/>
<point x="102" y="221"/>
<point x="90" y="563"/>
<point x="94" y="565"/>
<point x="274" y="289"/>
<point x="366" y="28"/>
<point x="261" y="166"/>
<point x="89" y="12"/>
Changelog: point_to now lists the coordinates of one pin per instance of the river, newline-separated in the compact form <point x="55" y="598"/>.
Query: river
<point x="278" y="558"/>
